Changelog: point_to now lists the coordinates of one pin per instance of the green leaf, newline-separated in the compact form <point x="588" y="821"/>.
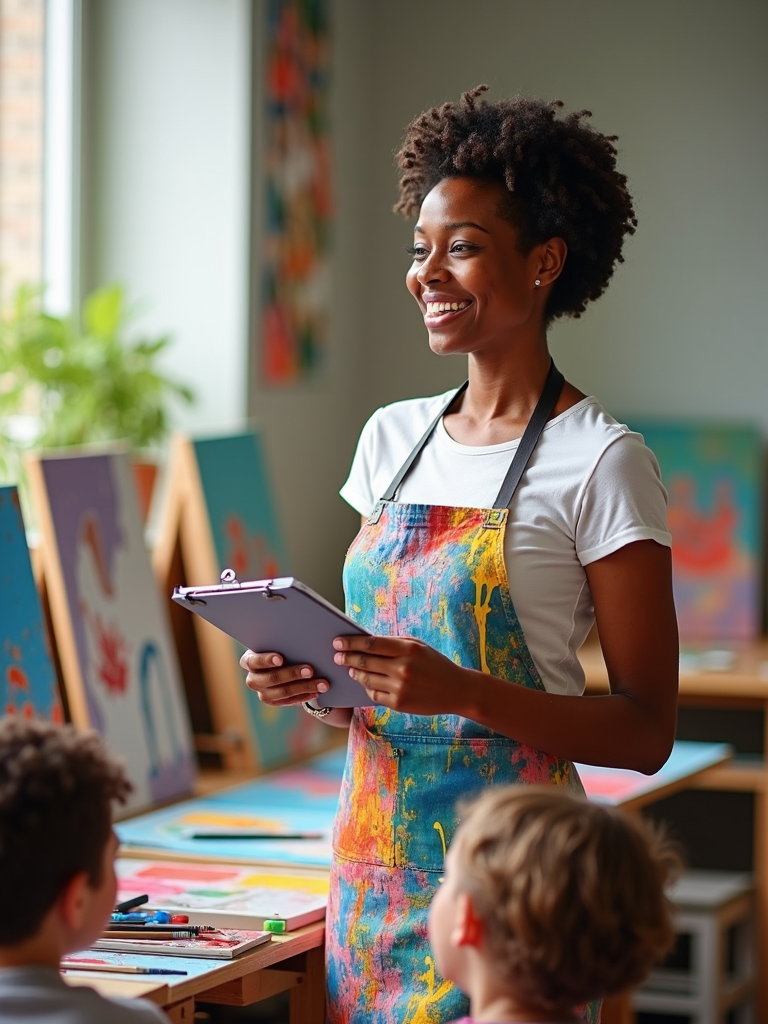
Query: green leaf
<point x="103" y="311"/>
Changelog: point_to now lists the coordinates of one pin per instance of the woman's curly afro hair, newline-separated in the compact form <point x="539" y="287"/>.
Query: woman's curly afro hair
<point x="560" y="173"/>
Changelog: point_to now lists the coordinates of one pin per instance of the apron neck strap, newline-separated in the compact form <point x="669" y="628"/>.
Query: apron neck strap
<point x="391" y="491"/>
<point x="546" y="403"/>
<point x="549" y="396"/>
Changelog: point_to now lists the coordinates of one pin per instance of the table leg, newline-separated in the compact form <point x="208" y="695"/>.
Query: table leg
<point x="308" y="999"/>
<point x="761" y="894"/>
<point x="182" y="1012"/>
<point x="617" y="1009"/>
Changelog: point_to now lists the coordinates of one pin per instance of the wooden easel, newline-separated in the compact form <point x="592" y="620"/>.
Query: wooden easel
<point x="186" y="553"/>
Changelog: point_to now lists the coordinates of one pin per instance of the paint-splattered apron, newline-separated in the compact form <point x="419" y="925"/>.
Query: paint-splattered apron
<point x="436" y="573"/>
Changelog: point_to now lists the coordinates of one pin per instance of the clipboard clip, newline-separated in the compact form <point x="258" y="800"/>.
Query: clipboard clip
<point x="270" y="595"/>
<point x="229" y="578"/>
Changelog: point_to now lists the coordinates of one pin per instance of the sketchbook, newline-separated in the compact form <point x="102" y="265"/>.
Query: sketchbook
<point x="225" y="896"/>
<point x="221" y="945"/>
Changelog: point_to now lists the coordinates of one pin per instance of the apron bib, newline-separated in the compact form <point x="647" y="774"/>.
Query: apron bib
<point x="438" y="574"/>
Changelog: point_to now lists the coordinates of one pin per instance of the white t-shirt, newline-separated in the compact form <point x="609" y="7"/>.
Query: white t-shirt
<point x="591" y="487"/>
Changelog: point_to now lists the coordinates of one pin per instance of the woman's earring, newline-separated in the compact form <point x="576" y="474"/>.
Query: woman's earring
<point x="537" y="282"/>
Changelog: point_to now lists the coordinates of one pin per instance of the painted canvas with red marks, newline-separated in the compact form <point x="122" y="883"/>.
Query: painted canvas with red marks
<point x="28" y="683"/>
<point x="713" y="474"/>
<point x="126" y="662"/>
<point x="298" y="207"/>
<point x="248" y="538"/>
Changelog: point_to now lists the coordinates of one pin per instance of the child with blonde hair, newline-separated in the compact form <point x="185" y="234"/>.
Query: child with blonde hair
<point x="549" y="902"/>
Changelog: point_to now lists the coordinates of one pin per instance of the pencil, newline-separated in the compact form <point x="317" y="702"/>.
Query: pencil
<point x="116" y="968"/>
<point x="150" y="934"/>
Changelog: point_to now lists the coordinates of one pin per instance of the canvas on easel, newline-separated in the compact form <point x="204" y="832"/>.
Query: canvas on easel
<point x="28" y="684"/>
<point x="119" y="665"/>
<point x="713" y="473"/>
<point x="219" y="514"/>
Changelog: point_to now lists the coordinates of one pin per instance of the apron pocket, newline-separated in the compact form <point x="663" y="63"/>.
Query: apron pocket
<point x="364" y="827"/>
<point x="435" y="774"/>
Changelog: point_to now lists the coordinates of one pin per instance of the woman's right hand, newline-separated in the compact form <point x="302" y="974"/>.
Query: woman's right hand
<point x="278" y="684"/>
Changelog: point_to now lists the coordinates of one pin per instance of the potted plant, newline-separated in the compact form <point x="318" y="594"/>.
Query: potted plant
<point x="64" y="382"/>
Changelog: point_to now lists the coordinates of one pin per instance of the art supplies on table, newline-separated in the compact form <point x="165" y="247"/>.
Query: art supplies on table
<point x="226" y="896"/>
<point x="713" y="473"/>
<point x="28" y="683"/>
<point x="219" y="945"/>
<point x="281" y="614"/>
<point x="119" y="664"/>
<point x="294" y="800"/>
<point x="219" y="512"/>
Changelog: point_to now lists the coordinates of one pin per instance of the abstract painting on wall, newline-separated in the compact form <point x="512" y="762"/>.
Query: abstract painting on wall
<point x="119" y="665"/>
<point x="219" y="514"/>
<point x="713" y="473"/>
<point x="295" y="245"/>
<point x="28" y="683"/>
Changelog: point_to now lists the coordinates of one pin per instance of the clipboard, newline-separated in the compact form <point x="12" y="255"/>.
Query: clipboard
<point x="286" y="616"/>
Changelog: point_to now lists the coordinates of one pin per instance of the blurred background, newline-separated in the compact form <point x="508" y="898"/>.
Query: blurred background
<point x="137" y="142"/>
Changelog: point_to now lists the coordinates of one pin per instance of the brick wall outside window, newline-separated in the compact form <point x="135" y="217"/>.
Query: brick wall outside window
<point x="22" y="35"/>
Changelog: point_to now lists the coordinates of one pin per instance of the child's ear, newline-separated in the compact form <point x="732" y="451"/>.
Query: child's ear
<point x="468" y="927"/>
<point x="73" y="901"/>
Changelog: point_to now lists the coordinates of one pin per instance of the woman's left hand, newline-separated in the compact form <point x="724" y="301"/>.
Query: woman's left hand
<point x="403" y="674"/>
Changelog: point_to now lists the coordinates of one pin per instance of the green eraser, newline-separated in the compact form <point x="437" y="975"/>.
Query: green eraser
<point x="274" y="926"/>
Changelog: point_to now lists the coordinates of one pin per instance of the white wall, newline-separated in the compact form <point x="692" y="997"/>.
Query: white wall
<point x="682" y="329"/>
<point x="166" y="135"/>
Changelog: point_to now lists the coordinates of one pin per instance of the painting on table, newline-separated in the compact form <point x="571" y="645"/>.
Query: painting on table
<point x="119" y="665"/>
<point x="220" y="514"/>
<point x="713" y="473"/>
<point x="28" y="684"/>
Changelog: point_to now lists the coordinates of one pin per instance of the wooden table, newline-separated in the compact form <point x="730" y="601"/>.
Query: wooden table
<point x="294" y="962"/>
<point x="743" y="686"/>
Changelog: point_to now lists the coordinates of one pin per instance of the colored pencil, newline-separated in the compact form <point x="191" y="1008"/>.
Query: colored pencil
<point x="74" y="965"/>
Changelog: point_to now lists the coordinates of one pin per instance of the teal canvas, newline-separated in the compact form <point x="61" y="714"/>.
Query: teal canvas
<point x="28" y="683"/>
<point x="713" y="473"/>
<point x="247" y="538"/>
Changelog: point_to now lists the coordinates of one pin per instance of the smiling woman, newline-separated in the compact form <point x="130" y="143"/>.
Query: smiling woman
<point x="500" y="522"/>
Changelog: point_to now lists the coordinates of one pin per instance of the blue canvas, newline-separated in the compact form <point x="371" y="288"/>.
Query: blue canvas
<point x="28" y="683"/>
<point x="248" y="539"/>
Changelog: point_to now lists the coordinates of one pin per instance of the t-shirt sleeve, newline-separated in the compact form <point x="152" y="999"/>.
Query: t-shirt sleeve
<point x="358" y="490"/>
<point x="624" y="501"/>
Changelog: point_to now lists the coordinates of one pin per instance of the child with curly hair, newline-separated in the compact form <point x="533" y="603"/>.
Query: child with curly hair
<point x="57" y="876"/>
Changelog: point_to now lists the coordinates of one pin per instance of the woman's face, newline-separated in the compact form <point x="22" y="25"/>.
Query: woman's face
<point x="474" y="286"/>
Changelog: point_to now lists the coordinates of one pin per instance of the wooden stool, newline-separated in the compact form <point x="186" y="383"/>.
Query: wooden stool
<point x="709" y="978"/>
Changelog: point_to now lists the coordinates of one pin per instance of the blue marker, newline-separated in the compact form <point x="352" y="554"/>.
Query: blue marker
<point x="142" y="917"/>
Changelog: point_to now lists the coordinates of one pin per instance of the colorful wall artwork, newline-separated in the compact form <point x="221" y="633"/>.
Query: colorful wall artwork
<point x="297" y="191"/>
<point x="28" y="683"/>
<point x="118" y="661"/>
<point x="713" y="474"/>
<point x="220" y="514"/>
